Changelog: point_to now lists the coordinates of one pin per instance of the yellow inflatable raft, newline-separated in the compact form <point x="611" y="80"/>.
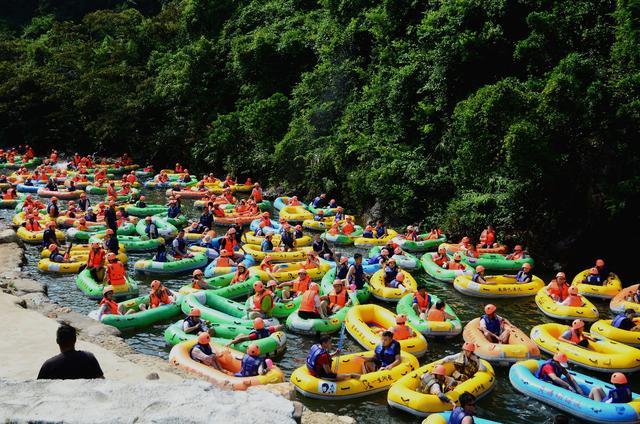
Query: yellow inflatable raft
<point x="365" y="323"/>
<point x="549" y="307"/>
<point x="605" y="329"/>
<point x="249" y="238"/>
<point x="289" y="271"/>
<point x="404" y="394"/>
<point x="620" y="303"/>
<point x="229" y="359"/>
<point x="19" y="219"/>
<point x="297" y="254"/>
<point x="519" y="348"/>
<point x="35" y="237"/>
<point x="389" y="294"/>
<point x="602" y="355"/>
<point x="324" y="224"/>
<point x="369" y="383"/>
<point x="295" y="214"/>
<point x="608" y="290"/>
<point x="498" y="286"/>
<point x="371" y="242"/>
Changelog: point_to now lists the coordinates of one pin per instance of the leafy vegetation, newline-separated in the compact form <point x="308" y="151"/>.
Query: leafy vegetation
<point x="454" y="112"/>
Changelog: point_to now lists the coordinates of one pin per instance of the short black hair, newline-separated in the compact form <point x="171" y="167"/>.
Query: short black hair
<point x="66" y="334"/>
<point x="629" y="311"/>
<point x="324" y="339"/>
<point x="422" y="287"/>
<point x="357" y="256"/>
<point x="466" y="398"/>
<point x="440" y="304"/>
<point x="387" y="334"/>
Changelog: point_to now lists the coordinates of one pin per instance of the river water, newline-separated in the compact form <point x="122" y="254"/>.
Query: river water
<point x="503" y="404"/>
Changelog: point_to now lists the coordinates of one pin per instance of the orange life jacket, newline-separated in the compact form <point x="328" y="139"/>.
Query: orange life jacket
<point x="554" y="290"/>
<point x="440" y="260"/>
<point x="96" y="258"/>
<point x="574" y="300"/>
<point x="116" y="274"/>
<point x="131" y="178"/>
<point x="195" y="283"/>
<point x="423" y="302"/>
<point x="266" y="266"/>
<point x="112" y="306"/>
<point x="256" y="194"/>
<point x="223" y="261"/>
<point x="156" y="299"/>
<point x="401" y="332"/>
<point x="301" y="285"/>
<point x="238" y="278"/>
<point x="308" y="302"/>
<point x="265" y="222"/>
<point x="337" y="299"/>
<point x="456" y="265"/>
<point x="574" y="337"/>
<point x="435" y="315"/>
<point x="348" y="228"/>
<point x="228" y="244"/>
<point x="258" y="298"/>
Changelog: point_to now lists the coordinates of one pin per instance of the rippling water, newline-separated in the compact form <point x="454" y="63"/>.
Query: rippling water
<point x="503" y="404"/>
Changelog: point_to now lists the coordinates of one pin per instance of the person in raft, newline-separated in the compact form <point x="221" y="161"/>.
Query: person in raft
<point x="197" y="281"/>
<point x="524" y="275"/>
<point x="108" y="306"/>
<point x="437" y="382"/>
<point x="263" y="302"/>
<point x="338" y="298"/>
<point x="553" y="370"/>
<point x="401" y="331"/>
<point x="159" y="296"/>
<point x="493" y="326"/>
<point x="203" y="352"/>
<point x="621" y="393"/>
<point x="558" y="288"/>
<point x="386" y="355"/>
<point x="193" y="324"/>
<point x="311" y="306"/>
<point x="478" y="275"/>
<point x="56" y="256"/>
<point x="625" y="321"/>
<point x="70" y="364"/>
<point x="356" y="275"/>
<point x="634" y="296"/>
<point x="179" y="245"/>
<point x="574" y="298"/>
<point x="253" y="364"/>
<point x="593" y="278"/>
<point x="488" y="238"/>
<point x="464" y="413"/>
<point x="319" y="361"/>
<point x="437" y="313"/>
<point x="295" y="288"/>
<point x="466" y="362"/>
<point x="259" y="332"/>
<point x="575" y="334"/>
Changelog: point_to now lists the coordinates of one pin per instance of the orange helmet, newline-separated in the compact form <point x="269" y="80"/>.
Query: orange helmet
<point x="479" y="268"/>
<point x="517" y="248"/>
<point x="314" y="287"/>
<point x="302" y="271"/>
<point x="526" y="265"/>
<point x="53" y="247"/>
<point x="439" y="370"/>
<point x="195" y="312"/>
<point x="457" y="257"/>
<point x="468" y="346"/>
<point x="577" y="323"/>
<point x="271" y="283"/>
<point x="490" y="308"/>
<point x="344" y="260"/>
<point x="258" y="323"/>
<point x="111" y="256"/>
<point x="110" y="231"/>
<point x="155" y="284"/>
<point x="561" y="275"/>
<point x="51" y="224"/>
<point x="400" y="276"/>
<point x="107" y="289"/>
<point x="197" y="272"/>
<point x="593" y="271"/>
<point x="599" y="262"/>
<point x="573" y="290"/>
<point x="204" y="338"/>
<point x="465" y="239"/>
<point x="561" y="357"/>
<point x="618" y="378"/>
<point x="258" y="285"/>
<point x="401" y="319"/>
<point x="54" y="199"/>
<point x="253" y="350"/>
<point x="224" y="252"/>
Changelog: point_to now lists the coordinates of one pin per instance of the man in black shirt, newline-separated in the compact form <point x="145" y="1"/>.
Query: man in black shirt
<point x="70" y="364"/>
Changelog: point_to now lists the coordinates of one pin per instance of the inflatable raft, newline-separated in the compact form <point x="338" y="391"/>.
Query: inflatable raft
<point x="519" y="347"/>
<point x="498" y="286"/>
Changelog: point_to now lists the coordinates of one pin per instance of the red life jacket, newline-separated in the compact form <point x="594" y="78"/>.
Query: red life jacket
<point x="337" y="299"/>
<point x="116" y="274"/>
<point x="258" y="298"/>
<point x="308" y="303"/>
<point x="301" y="285"/>
<point x="401" y="332"/>
<point x="423" y="302"/>
<point x="156" y="299"/>
<point x="96" y="258"/>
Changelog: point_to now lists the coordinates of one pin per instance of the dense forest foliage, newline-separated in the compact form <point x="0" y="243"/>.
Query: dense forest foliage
<point x="520" y="113"/>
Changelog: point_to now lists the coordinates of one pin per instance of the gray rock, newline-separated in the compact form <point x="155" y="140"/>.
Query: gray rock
<point x="8" y="236"/>
<point x="25" y="285"/>
<point x="153" y="376"/>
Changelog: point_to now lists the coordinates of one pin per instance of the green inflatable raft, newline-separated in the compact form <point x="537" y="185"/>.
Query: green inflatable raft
<point x="217" y="309"/>
<point x="132" y="243"/>
<point x="420" y="245"/>
<point x="272" y="346"/>
<point x="73" y="233"/>
<point x="165" y="228"/>
<point x="439" y="273"/>
<point x="447" y="328"/>
<point x="496" y="262"/>
<point x="93" y="289"/>
<point x="406" y="261"/>
<point x="180" y="266"/>
<point x="149" y="210"/>
<point x="141" y="319"/>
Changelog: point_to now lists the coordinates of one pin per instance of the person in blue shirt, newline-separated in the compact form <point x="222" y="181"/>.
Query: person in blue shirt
<point x="621" y="393"/>
<point x="386" y="355"/>
<point x="464" y="413"/>
<point x="174" y="209"/>
<point x="267" y="243"/>
<point x="593" y="278"/>
<point x="320" y="201"/>
<point x="624" y="321"/>
<point x="381" y="229"/>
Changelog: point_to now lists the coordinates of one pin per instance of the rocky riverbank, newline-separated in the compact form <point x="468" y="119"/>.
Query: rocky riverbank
<point x="137" y="387"/>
